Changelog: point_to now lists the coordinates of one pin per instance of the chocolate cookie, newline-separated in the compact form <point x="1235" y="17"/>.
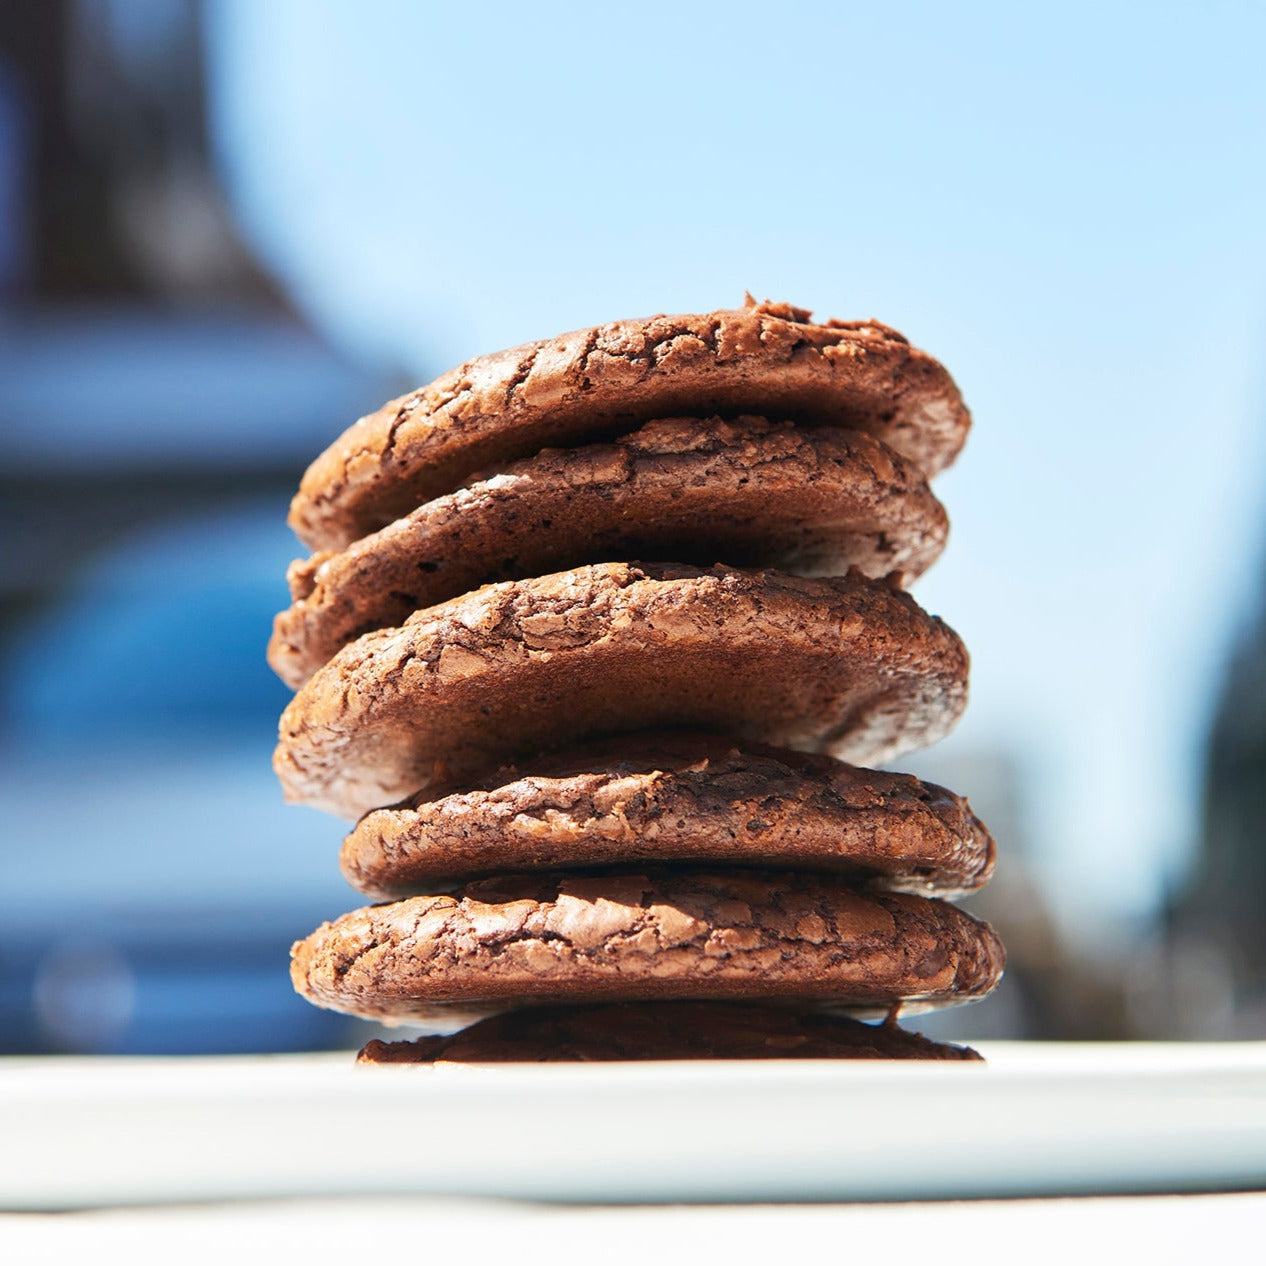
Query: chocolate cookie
<point x="765" y="359"/>
<point x="663" y="935"/>
<point x="653" y="798"/>
<point x="748" y="493"/>
<point x="848" y="665"/>
<point x="663" y="1030"/>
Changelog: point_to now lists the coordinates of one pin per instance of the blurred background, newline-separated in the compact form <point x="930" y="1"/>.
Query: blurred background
<point x="227" y="229"/>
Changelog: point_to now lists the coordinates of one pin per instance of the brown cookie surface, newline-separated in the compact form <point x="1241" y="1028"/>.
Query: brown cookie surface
<point x="764" y="359"/>
<point x="660" y="1031"/>
<point x="509" y="941"/>
<point x="847" y="665"/>
<point x="748" y="493"/>
<point x="652" y="798"/>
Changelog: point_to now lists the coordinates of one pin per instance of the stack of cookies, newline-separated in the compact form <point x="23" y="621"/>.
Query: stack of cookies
<point x="592" y="629"/>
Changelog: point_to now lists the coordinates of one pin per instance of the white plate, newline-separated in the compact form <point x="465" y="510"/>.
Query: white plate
<point x="1037" y="1120"/>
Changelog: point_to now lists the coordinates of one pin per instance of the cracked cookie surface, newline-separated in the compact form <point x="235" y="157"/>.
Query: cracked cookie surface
<point x="748" y="493"/>
<point x="663" y="1030"/>
<point x="670" y="934"/>
<point x="846" y="665"/>
<point x="767" y="359"/>
<point x="674" y="796"/>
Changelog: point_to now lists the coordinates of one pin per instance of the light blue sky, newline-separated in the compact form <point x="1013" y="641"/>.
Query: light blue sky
<point x="1067" y="207"/>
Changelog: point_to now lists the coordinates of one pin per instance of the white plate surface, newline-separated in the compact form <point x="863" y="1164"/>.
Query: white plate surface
<point x="1036" y="1120"/>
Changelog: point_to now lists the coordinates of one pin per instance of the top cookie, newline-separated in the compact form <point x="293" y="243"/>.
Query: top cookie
<point x="761" y="359"/>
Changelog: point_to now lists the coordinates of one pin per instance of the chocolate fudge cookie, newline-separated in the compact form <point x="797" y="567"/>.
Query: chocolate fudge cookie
<point x="661" y="935"/>
<point x="765" y="359"/>
<point x="663" y="1030"/>
<point x="748" y="493"/>
<point x="848" y="665"/>
<point x="673" y="796"/>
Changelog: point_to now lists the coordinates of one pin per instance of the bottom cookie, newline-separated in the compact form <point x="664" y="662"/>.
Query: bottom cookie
<point x="663" y="1031"/>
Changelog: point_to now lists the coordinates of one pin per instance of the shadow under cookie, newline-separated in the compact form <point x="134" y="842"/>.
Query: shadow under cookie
<point x="663" y="1031"/>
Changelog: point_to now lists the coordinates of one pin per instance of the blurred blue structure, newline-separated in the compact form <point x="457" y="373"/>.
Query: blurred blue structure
<point x="158" y="399"/>
<point x="154" y="879"/>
